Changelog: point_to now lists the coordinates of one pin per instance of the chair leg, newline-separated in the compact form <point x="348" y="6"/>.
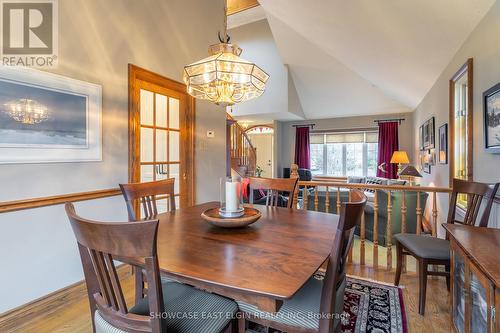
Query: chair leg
<point x="447" y="269"/>
<point x="399" y="265"/>
<point x="422" y="276"/>
<point x="139" y="284"/>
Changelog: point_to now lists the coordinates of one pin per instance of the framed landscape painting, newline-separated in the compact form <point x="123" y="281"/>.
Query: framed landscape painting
<point x="491" y="100"/>
<point x="47" y="118"/>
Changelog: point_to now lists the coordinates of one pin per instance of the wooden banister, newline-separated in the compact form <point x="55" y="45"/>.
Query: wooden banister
<point x="242" y="152"/>
<point x="323" y="202"/>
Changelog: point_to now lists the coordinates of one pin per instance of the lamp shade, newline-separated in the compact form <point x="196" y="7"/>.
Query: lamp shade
<point x="410" y="170"/>
<point x="400" y="156"/>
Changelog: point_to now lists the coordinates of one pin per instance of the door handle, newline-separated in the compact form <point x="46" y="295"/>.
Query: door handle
<point x="184" y="176"/>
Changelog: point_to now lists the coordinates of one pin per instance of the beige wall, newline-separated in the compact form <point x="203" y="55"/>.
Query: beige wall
<point x="97" y="39"/>
<point x="286" y="148"/>
<point x="483" y="45"/>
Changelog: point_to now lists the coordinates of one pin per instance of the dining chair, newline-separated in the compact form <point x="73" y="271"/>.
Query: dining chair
<point x="318" y="305"/>
<point x="167" y="303"/>
<point x="277" y="191"/>
<point x="428" y="250"/>
<point x="145" y="195"/>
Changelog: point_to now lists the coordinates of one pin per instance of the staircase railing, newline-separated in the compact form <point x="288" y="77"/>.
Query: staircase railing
<point x="243" y="153"/>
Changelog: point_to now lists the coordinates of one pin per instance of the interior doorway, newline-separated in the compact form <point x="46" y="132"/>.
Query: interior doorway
<point x="161" y="138"/>
<point x="262" y="138"/>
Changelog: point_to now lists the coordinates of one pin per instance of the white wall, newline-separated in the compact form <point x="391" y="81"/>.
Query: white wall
<point x="97" y="39"/>
<point x="259" y="47"/>
<point x="483" y="45"/>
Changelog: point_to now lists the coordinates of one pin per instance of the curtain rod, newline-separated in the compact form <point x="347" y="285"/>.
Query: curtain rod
<point x="305" y="125"/>
<point x="399" y="120"/>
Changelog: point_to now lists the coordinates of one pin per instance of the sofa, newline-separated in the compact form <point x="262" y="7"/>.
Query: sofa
<point x="396" y="199"/>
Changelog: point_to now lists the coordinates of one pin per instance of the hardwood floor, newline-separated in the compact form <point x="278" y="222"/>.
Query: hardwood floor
<point x="75" y="318"/>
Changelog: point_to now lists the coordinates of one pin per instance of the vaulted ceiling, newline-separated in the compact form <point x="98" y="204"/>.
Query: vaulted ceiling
<point x="365" y="57"/>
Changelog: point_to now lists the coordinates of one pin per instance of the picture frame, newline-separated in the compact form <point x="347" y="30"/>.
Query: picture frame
<point x="421" y="137"/>
<point x="491" y="106"/>
<point x="428" y="136"/>
<point x="443" y="144"/>
<point x="426" y="168"/>
<point x="65" y="126"/>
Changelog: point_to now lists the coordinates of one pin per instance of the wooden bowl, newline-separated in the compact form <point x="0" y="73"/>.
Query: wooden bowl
<point x="212" y="216"/>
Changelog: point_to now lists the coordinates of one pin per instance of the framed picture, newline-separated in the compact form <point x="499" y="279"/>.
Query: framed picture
<point x="443" y="144"/>
<point x="491" y="100"/>
<point x="421" y="138"/>
<point x="426" y="168"/>
<point x="46" y="118"/>
<point x="428" y="136"/>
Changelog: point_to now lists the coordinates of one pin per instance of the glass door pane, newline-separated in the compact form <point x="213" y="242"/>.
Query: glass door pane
<point x="479" y="305"/>
<point x="459" y="293"/>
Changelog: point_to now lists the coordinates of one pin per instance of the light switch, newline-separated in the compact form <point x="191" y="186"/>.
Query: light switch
<point x="210" y="134"/>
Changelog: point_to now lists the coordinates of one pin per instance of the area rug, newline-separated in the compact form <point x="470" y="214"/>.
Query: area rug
<point x="369" y="306"/>
<point x="373" y="307"/>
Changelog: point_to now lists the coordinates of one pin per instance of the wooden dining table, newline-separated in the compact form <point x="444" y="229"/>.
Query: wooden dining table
<point x="262" y="264"/>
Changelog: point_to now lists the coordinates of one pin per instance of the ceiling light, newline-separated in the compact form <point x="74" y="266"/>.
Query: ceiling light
<point x="27" y="111"/>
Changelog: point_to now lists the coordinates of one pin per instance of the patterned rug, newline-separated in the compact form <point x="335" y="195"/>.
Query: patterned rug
<point x="368" y="307"/>
<point x="373" y="307"/>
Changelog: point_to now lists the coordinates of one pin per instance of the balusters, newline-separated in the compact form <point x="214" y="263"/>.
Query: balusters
<point x="434" y="215"/>
<point x="338" y="200"/>
<point x="304" y="197"/>
<point x="389" y="230"/>
<point x="327" y="201"/>
<point x="316" y="198"/>
<point x="419" y="214"/>
<point x="362" y="242"/>
<point x="403" y="222"/>
<point x="375" y="229"/>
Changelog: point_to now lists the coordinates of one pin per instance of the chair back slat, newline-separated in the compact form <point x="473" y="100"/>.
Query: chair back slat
<point x="274" y="188"/>
<point x="350" y="217"/>
<point x="145" y="194"/>
<point x="101" y="241"/>
<point x="475" y="192"/>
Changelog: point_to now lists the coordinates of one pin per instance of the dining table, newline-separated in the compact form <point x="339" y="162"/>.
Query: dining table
<point x="262" y="264"/>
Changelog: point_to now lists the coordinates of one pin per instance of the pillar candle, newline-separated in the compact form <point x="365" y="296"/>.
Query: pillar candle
<point x="232" y="202"/>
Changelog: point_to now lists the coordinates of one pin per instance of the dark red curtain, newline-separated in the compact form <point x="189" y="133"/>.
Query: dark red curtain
<point x="388" y="143"/>
<point x="302" y="149"/>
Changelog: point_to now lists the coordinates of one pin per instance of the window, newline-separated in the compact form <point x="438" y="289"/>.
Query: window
<point x="461" y="127"/>
<point x="344" y="154"/>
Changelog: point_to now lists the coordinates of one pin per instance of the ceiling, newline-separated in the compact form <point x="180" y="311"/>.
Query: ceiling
<point x="366" y="57"/>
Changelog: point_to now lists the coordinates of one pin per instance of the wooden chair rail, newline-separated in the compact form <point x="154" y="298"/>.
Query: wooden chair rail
<point x="16" y="205"/>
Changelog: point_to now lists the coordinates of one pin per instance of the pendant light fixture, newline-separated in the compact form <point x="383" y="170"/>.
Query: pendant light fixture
<point x="224" y="78"/>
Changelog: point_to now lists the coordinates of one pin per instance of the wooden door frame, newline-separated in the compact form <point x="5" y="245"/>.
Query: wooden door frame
<point x="465" y="69"/>
<point x="134" y="127"/>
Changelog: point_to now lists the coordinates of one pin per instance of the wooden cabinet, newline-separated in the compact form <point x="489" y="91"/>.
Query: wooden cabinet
<point x="473" y="296"/>
<point x="475" y="273"/>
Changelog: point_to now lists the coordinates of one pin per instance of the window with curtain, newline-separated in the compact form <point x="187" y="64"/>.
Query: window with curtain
<point x="344" y="153"/>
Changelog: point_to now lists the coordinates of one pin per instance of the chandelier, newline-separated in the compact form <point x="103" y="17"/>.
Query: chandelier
<point x="27" y="111"/>
<point x="224" y="78"/>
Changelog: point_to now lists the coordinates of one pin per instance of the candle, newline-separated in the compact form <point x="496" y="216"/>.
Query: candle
<point x="232" y="202"/>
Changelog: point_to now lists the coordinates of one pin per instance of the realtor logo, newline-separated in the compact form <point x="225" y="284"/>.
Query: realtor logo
<point x="29" y="33"/>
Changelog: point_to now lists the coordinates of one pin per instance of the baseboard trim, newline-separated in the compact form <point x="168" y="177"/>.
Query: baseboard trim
<point x="51" y="303"/>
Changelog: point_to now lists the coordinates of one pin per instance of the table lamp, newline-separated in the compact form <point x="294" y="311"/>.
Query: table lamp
<point x="410" y="172"/>
<point x="400" y="157"/>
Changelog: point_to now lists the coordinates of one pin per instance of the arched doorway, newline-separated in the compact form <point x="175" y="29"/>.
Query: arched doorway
<point x="262" y="138"/>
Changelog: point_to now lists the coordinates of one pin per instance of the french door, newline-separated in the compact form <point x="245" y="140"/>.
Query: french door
<point x="161" y="143"/>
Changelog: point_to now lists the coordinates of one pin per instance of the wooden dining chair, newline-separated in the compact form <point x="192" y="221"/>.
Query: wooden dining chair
<point x="277" y="191"/>
<point x="103" y="242"/>
<point x="428" y="250"/>
<point x="318" y="305"/>
<point x="145" y="195"/>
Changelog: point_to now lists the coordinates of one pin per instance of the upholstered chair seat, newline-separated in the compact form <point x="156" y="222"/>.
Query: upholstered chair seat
<point x="187" y="310"/>
<point x="302" y="310"/>
<point x="425" y="246"/>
